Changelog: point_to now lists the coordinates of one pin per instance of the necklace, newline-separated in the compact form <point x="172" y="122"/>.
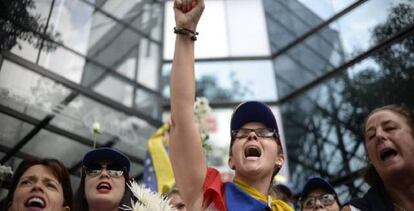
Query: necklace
<point x="398" y="207"/>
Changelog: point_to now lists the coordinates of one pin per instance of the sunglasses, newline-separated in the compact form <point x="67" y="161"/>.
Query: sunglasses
<point x="113" y="170"/>
<point x="260" y="132"/>
<point x="325" y="199"/>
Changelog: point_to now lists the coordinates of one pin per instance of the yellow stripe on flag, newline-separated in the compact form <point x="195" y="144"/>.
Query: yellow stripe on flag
<point x="160" y="160"/>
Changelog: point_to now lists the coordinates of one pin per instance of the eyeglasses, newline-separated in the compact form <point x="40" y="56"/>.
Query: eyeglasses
<point x="326" y="200"/>
<point x="260" y="132"/>
<point x="96" y="170"/>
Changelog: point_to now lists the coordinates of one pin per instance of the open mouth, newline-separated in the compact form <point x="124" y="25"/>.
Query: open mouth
<point x="104" y="186"/>
<point x="252" y="151"/>
<point x="36" y="202"/>
<point x="388" y="153"/>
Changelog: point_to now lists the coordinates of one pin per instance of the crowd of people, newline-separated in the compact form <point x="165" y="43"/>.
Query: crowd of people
<point x="255" y="154"/>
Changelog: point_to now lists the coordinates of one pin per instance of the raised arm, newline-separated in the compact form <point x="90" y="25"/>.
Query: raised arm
<point x="186" y="151"/>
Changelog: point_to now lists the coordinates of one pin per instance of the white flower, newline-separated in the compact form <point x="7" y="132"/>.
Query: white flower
<point x="147" y="200"/>
<point x="201" y="107"/>
<point x="205" y="120"/>
<point x="96" y="128"/>
<point x="5" y="172"/>
<point x="202" y="112"/>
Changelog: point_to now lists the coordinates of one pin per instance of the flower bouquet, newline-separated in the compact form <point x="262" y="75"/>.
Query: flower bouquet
<point x="146" y="200"/>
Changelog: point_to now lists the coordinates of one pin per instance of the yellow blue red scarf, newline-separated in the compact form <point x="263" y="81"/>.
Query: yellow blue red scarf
<point x="275" y="204"/>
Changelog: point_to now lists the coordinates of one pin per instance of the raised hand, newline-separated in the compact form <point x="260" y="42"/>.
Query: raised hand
<point x="186" y="151"/>
<point x="188" y="13"/>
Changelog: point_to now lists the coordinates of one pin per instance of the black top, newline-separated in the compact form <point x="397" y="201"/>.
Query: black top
<point x="376" y="199"/>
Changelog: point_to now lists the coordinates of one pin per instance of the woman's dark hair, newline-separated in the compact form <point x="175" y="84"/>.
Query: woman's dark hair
<point x="58" y="170"/>
<point x="80" y="199"/>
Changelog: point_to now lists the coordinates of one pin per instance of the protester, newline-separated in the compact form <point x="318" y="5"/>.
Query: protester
<point x="388" y="133"/>
<point x="175" y="200"/>
<point x="283" y="193"/>
<point x="318" y="194"/>
<point x="256" y="153"/>
<point x="40" y="184"/>
<point x="104" y="177"/>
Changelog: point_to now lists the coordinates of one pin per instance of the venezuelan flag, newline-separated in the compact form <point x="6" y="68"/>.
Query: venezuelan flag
<point x="158" y="173"/>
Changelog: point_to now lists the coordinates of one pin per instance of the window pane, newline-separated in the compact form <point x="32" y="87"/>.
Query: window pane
<point x="28" y="92"/>
<point x="232" y="81"/>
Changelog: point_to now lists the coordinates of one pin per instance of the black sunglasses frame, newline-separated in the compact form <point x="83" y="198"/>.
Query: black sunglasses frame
<point x="86" y="169"/>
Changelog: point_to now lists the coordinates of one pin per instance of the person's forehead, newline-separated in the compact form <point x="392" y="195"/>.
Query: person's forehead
<point x="253" y="125"/>
<point x="384" y="115"/>
<point x="175" y="197"/>
<point x="39" y="171"/>
<point x="317" y="192"/>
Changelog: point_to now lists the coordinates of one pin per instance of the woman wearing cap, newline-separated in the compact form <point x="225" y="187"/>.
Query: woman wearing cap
<point x="389" y="143"/>
<point x="255" y="149"/>
<point x="104" y="180"/>
<point x="318" y="194"/>
<point x="40" y="184"/>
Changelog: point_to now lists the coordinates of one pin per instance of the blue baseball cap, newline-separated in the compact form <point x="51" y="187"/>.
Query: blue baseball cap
<point x="284" y="189"/>
<point x="106" y="154"/>
<point x="253" y="111"/>
<point x="316" y="183"/>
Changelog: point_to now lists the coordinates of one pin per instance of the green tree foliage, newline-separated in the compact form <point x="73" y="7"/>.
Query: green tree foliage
<point x="207" y="87"/>
<point x="325" y="122"/>
<point x="17" y="23"/>
<point x="393" y="81"/>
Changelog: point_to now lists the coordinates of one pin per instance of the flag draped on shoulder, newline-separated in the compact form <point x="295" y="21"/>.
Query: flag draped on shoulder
<point x="158" y="173"/>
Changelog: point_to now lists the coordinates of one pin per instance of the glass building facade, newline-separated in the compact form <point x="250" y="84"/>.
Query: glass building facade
<point x="320" y="65"/>
<point x="81" y="62"/>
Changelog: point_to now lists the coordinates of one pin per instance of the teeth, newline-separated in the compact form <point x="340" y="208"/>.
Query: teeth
<point x="36" y="201"/>
<point x="104" y="185"/>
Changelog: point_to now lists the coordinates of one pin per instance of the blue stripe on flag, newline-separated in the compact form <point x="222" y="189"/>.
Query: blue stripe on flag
<point x="150" y="180"/>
